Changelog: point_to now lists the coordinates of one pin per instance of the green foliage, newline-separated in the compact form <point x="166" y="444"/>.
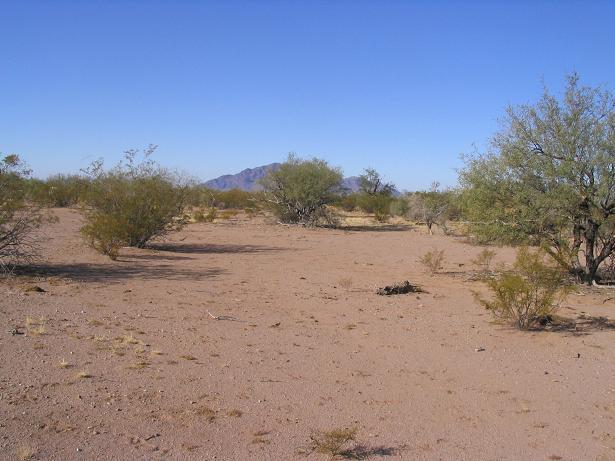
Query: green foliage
<point x="58" y="191"/>
<point x="527" y="295"/>
<point x="18" y="217"/>
<point x="549" y="179"/>
<point x="300" y="190"/>
<point x="433" y="260"/>
<point x="399" y="207"/>
<point x="378" y="204"/>
<point x="484" y="259"/>
<point x="333" y="443"/>
<point x="131" y="204"/>
<point x="371" y="183"/>
<point x="200" y="196"/>
<point x="347" y="202"/>
<point x="199" y="216"/>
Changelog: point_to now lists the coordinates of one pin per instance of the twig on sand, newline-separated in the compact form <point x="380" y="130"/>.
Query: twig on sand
<point x="223" y="317"/>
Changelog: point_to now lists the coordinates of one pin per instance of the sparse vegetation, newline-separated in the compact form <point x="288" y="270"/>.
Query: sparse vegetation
<point x="19" y="218"/>
<point x="59" y="190"/>
<point x="36" y="327"/>
<point x="25" y="453"/>
<point x="433" y="207"/>
<point x="131" y="204"/>
<point x="549" y="180"/>
<point x="483" y="260"/>
<point x="529" y="294"/>
<point x="433" y="260"/>
<point x="333" y="443"/>
<point x="300" y="190"/>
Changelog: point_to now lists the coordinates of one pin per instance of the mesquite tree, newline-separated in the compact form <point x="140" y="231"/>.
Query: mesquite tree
<point x="549" y="179"/>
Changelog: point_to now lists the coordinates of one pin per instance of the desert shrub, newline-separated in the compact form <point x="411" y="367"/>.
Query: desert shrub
<point x="528" y="294"/>
<point x="228" y="214"/>
<point x="59" y="191"/>
<point x="347" y="202"/>
<point x="131" y="204"/>
<point x="376" y="204"/>
<point x="19" y="218"/>
<point x="433" y="260"/>
<point x="548" y="179"/>
<point x="399" y="207"/>
<point x="333" y="443"/>
<point x="484" y="259"/>
<point x="200" y="216"/>
<point x="235" y="199"/>
<point x="433" y="207"/>
<point x="300" y="191"/>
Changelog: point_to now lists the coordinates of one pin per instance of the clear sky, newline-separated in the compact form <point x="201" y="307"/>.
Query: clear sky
<point x="402" y="86"/>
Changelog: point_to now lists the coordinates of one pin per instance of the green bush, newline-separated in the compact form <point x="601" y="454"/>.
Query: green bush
<point x="66" y="190"/>
<point x="19" y="218"/>
<point x="131" y="204"/>
<point x="528" y="294"/>
<point x="300" y="191"/>
<point x="347" y="202"/>
<point x="399" y="207"/>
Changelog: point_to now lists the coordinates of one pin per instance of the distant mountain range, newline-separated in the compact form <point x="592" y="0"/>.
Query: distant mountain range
<point x="248" y="179"/>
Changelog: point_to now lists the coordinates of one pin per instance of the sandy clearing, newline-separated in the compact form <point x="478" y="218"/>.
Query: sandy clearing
<point x="305" y="345"/>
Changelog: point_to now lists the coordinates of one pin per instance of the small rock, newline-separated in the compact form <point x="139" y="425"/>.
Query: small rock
<point x="479" y="349"/>
<point x="35" y="289"/>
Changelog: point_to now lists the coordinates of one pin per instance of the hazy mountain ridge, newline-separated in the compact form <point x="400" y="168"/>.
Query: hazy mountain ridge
<point x="248" y="179"/>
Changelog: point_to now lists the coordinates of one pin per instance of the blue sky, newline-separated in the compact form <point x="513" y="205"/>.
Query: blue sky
<point x="404" y="87"/>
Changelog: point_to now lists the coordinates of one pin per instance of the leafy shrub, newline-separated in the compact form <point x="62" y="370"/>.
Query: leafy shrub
<point x="548" y="179"/>
<point x="483" y="260"/>
<point x="433" y="260"/>
<point x="199" y="216"/>
<point x="300" y="190"/>
<point x="235" y="199"/>
<point x="347" y="202"/>
<point x="59" y="191"/>
<point x="18" y="218"/>
<point x="376" y="204"/>
<point x="528" y="294"/>
<point x="399" y="207"/>
<point x="131" y="204"/>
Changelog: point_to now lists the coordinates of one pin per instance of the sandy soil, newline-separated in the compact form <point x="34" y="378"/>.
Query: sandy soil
<point x="128" y="363"/>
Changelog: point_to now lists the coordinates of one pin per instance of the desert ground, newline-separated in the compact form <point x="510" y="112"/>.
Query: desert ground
<point x="237" y="340"/>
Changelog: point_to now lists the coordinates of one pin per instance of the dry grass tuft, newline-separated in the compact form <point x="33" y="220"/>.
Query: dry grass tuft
<point x="25" y="453"/>
<point x="83" y="375"/>
<point x="36" y="327"/>
<point x="333" y="443"/>
<point x="433" y="260"/>
<point x="65" y="364"/>
<point x="345" y="283"/>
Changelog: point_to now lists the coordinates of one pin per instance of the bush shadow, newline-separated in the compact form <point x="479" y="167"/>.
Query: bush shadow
<point x="114" y="272"/>
<point x="584" y="325"/>
<point x="365" y="452"/>
<point x="381" y="228"/>
<point x="211" y="248"/>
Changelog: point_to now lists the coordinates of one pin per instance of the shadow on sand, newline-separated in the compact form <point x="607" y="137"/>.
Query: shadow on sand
<point x="582" y="326"/>
<point x="366" y="452"/>
<point x="115" y="272"/>
<point x="382" y="228"/>
<point x="211" y="248"/>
